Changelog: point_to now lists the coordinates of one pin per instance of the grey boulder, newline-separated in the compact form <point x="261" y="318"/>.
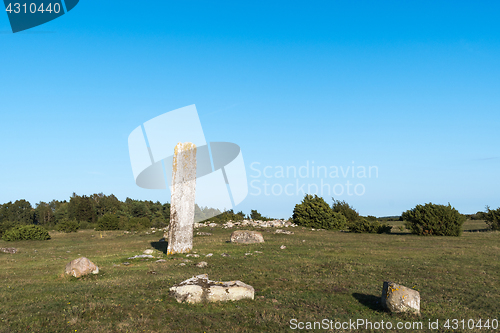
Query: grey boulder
<point x="246" y="237"/>
<point x="397" y="298"/>
<point x="200" y="289"/>
<point x="81" y="266"/>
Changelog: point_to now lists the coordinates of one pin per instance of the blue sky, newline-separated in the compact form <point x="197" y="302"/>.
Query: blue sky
<point x="411" y="88"/>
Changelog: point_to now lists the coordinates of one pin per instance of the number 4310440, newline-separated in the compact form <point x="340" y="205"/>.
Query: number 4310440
<point x="32" y="8"/>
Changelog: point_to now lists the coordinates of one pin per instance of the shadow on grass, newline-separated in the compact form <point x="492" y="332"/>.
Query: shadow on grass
<point x="370" y="301"/>
<point x="160" y="246"/>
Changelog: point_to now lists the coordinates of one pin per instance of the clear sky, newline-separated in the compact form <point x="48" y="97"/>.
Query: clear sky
<point x="411" y="89"/>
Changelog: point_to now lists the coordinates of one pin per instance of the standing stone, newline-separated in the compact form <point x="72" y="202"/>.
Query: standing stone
<point x="180" y="235"/>
<point x="397" y="298"/>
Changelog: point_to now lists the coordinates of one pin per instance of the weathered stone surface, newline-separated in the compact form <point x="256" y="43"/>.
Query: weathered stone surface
<point x="200" y="289"/>
<point x="9" y="250"/>
<point x="180" y="235"/>
<point x="202" y="264"/>
<point x="142" y="256"/>
<point x="281" y="231"/>
<point x="81" y="266"/>
<point x="246" y="237"/>
<point x="398" y="298"/>
<point x="148" y="251"/>
<point x="246" y="223"/>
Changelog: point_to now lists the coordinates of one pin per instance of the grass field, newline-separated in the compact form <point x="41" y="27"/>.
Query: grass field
<point x="320" y="275"/>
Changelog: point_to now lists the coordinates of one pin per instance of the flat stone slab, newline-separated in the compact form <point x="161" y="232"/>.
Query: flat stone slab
<point x="397" y="298"/>
<point x="81" y="266"/>
<point x="281" y="231"/>
<point x="9" y="250"/>
<point x="246" y="237"/>
<point x="200" y="289"/>
<point x="142" y="256"/>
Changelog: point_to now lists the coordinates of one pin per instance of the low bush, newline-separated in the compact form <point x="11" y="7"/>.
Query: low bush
<point x="369" y="225"/>
<point x="138" y="224"/>
<point x="314" y="212"/>
<point x="492" y="218"/>
<point x="343" y="207"/>
<point x="84" y="225"/>
<point x="108" y="222"/>
<point x="67" y="225"/>
<point x="432" y="219"/>
<point x="26" y="232"/>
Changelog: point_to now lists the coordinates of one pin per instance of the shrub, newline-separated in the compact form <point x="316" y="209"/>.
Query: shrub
<point x="108" y="222"/>
<point x="6" y="225"/>
<point x="138" y="224"/>
<point x="26" y="232"/>
<point x="84" y="225"/>
<point x="314" y="212"/>
<point x="346" y="210"/>
<point x="369" y="225"/>
<point x="432" y="219"/>
<point x="68" y="226"/>
<point x="492" y="218"/>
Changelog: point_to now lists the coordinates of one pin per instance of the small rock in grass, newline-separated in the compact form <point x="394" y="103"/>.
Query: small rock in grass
<point x="149" y="251"/>
<point x="141" y="256"/>
<point x="281" y="231"/>
<point x="182" y="264"/>
<point x="225" y="255"/>
<point x="202" y="264"/>
<point x="192" y="255"/>
<point x="257" y="251"/>
<point x="9" y="250"/>
<point x="209" y="255"/>
<point x="161" y="260"/>
<point x="246" y="237"/>
<point x="125" y="263"/>
<point x="282" y="247"/>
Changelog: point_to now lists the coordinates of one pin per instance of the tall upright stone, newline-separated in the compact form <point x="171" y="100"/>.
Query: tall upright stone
<point x="180" y="235"/>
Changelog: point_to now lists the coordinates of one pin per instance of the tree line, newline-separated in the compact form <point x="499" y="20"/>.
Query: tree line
<point x="87" y="211"/>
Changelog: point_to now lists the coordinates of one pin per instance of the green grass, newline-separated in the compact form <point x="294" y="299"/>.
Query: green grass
<point x="320" y="275"/>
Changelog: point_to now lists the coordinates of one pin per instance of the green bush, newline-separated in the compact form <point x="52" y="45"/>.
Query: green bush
<point x="492" y="218"/>
<point x="6" y="225"/>
<point x="314" y="212"/>
<point x="84" y="225"/>
<point x="68" y="226"/>
<point x="343" y="207"/>
<point x="108" y="222"/>
<point x="138" y="224"/>
<point x="432" y="219"/>
<point x="26" y="232"/>
<point x="369" y="225"/>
